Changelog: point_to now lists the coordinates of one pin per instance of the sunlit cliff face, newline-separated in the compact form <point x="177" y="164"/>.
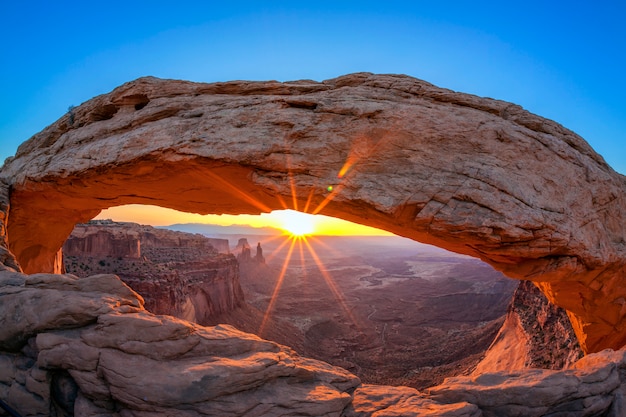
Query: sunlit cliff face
<point x="476" y="176"/>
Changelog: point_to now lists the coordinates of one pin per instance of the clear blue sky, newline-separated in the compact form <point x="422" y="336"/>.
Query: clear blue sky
<point x="564" y="60"/>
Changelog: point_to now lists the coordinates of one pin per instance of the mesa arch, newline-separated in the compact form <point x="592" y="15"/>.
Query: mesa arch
<point x="473" y="175"/>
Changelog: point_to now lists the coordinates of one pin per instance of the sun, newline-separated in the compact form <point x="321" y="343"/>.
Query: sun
<point x="297" y="223"/>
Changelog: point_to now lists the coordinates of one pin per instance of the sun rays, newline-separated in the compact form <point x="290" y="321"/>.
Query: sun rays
<point x="301" y="228"/>
<point x="304" y="243"/>
<point x="299" y="203"/>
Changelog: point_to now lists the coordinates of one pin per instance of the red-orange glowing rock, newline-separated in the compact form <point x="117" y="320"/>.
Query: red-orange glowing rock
<point x="473" y="175"/>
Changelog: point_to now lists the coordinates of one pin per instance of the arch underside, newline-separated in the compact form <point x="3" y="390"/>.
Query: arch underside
<point x="475" y="176"/>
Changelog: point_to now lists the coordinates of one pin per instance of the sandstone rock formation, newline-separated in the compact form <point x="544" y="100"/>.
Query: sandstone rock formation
<point x="535" y="334"/>
<point x="93" y="351"/>
<point x="258" y="257"/>
<point x="244" y="252"/>
<point x="473" y="175"/>
<point x="7" y="259"/>
<point x="101" y="243"/>
<point x="126" y="361"/>
<point x="178" y="274"/>
<point x="106" y="237"/>
<point x="594" y="386"/>
<point x="105" y="341"/>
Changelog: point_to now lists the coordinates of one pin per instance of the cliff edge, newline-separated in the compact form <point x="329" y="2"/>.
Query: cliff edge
<point x="178" y="274"/>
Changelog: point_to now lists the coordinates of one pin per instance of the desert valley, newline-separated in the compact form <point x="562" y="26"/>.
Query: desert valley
<point x="390" y="310"/>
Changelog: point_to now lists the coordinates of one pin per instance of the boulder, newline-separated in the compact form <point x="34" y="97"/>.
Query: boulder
<point x="593" y="386"/>
<point x="40" y="302"/>
<point x="386" y="401"/>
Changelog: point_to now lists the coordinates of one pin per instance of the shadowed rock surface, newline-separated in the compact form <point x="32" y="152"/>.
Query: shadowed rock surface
<point x="535" y="334"/>
<point x="477" y="176"/>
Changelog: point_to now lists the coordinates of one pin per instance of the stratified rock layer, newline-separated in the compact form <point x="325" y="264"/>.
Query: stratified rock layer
<point x="178" y="274"/>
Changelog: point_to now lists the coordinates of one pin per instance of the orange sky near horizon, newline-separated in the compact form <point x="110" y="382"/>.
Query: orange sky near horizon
<point x="280" y="219"/>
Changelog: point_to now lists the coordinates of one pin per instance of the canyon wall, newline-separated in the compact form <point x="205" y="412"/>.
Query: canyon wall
<point x="85" y="239"/>
<point x="102" y="243"/>
<point x="178" y="274"/>
<point x="535" y="334"/>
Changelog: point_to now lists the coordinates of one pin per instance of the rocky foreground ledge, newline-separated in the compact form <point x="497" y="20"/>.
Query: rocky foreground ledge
<point x="87" y="347"/>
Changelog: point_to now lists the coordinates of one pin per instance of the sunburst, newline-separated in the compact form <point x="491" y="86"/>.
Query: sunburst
<point x="297" y="224"/>
<point x="300" y="228"/>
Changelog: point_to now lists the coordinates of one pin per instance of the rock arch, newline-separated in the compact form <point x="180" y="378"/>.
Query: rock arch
<point x="472" y="175"/>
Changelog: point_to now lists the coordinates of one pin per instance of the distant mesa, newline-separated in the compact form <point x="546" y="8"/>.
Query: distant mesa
<point x="107" y="237"/>
<point x="219" y="230"/>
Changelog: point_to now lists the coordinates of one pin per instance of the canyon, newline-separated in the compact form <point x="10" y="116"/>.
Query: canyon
<point x="339" y="309"/>
<point x="187" y="276"/>
<point x="476" y="176"/>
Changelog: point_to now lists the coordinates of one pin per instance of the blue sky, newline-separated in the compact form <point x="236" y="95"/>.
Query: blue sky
<point x="564" y="60"/>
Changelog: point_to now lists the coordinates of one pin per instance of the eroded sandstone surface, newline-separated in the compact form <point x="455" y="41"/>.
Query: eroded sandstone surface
<point x="128" y="362"/>
<point x="473" y="175"/>
<point x="87" y="347"/>
<point x="535" y="334"/>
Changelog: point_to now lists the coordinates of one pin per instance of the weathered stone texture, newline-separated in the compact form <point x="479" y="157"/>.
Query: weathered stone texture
<point x="535" y="334"/>
<point x="473" y="175"/>
<point x="128" y="361"/>
<point x="7" y="259"/>
<point x="593" y="386"/>
<point x="477" y="176"/>
<point x="99" y="351"/>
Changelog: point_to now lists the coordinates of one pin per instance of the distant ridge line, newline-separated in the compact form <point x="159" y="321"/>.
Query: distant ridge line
<point x="204" y="228"/>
